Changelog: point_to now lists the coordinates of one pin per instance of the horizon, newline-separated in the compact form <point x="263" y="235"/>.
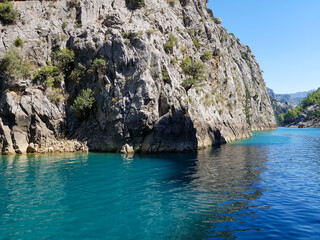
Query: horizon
<point x="282" y="35"/>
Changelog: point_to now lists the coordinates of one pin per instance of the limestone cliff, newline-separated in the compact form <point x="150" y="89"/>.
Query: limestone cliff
<point x="141" y="103"/>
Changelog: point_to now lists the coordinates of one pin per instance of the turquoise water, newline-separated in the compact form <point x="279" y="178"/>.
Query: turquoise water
<point x="266" y="187"/>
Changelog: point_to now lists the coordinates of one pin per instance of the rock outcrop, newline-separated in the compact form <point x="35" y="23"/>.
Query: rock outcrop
<point x="141" y="103"/>
<point x="310" y="117"/>
<point x="307" y="114"/>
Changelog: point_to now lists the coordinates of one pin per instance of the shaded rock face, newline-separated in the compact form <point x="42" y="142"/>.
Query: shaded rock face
<point x="279" y="109"/>
<point x="31" y="123"/>
<point x="141" y="104"/>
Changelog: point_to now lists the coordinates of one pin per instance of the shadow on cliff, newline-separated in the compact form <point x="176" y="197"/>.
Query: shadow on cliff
<point x="174" y="132"/>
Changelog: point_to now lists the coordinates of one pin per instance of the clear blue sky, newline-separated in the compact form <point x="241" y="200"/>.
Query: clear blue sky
<point x="284" y="35"/>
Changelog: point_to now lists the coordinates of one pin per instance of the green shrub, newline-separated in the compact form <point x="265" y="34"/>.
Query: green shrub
<point x="165" y="75"/>
<point x="195" y="70"/>
<point x="60" y="37"/>
<point x="150" y="31"/>
<point x="83" y="103"/>
<point x="207" y="55"/>
<point x="196" y="43"/>
<point x="312" y="99"/>
<point x="18" y="42"/>
<point x="126" y="35"/>
<point x="98" y="65"/>
<point x="172" y="42"/>
<point x="291" y="115"/>
<point x="78" y="25"/>
<point x="244" y="56"/>
<point x="16" y="66"/>
<point x="139" y="33"/>
<point x="190" y="32"/>
<point x="64" y="25"/>
<point x="76" y="74"/>
<point x="8" y="14"/>
<point x="63" y="59"/>
<point x="50" y="75"/>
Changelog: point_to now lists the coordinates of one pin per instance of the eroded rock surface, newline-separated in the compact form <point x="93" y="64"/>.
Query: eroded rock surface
<point x="137" y="107"/>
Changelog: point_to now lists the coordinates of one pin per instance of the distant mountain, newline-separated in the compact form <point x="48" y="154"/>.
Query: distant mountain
<point x="301" y="94"/>
<point x="292" y="99"/>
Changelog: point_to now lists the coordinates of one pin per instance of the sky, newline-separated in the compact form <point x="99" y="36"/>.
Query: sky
<point x="284" y="35"/>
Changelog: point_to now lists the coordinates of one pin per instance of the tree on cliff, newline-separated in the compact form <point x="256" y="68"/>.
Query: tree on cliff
<point x="195" y="70"/>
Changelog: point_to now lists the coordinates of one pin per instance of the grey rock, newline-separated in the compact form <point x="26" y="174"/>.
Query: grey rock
<point x="113" y="19"/>
<point x="135" y="107"/>
<point x="218" y="20"/>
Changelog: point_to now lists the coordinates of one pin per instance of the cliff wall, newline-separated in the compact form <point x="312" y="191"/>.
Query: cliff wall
<point x="141" y="103"/>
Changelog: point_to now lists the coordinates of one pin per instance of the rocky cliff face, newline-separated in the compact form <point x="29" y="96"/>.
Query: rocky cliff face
<point x="310" y="117"/>
<point x="140" y="101"/>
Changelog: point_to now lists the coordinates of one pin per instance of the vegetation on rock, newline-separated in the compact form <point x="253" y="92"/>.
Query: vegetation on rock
<point x="165" y="75"/>
<point x="8" y="14"/>
<point x="18" y="42"/>
<point x="83" y="104"/>
<point x="312" y="100"/>
<point x="291" y="115"/>
<point x="51" y="75"/>
<point x="170" y="44"/>
<point x="98" y="65"/>
<point x="195" y="70"/>
<point x="77" y="73"/>
<point x="63" y="59"/>
<point x="207" y="55"/>
<point x="15" y="65"/>
<point x="196" y="43"/>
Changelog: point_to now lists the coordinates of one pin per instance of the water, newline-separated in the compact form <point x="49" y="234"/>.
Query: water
<point x="266" y="187"/>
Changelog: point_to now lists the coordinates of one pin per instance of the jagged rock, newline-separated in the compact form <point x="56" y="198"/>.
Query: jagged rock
<point x="127" y="149"/>
<point x="113" y="19"/>
<point x="218" y="20"/>
<point x="31" y="148"/>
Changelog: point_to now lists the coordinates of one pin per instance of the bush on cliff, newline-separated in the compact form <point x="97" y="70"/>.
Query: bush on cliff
<point x="8" y="14"/>
<point x="83" y="104"/>
<point x="15" y="65"/>
<point x="18" y="42"/>
<point x="195" y="70"/>
<point x="291" y="115"/>
<point x="207" y="55"/>
<point x="98" y="65"/>
<point x="50" y="75"/>
<point x="63" y="59"/>
<point x="172" y="42"/>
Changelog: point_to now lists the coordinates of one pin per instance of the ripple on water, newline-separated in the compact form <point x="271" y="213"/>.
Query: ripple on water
<point x="266" y="187"/>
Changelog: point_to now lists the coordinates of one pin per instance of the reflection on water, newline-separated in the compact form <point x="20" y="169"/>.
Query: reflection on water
<point x="253" y="189"/>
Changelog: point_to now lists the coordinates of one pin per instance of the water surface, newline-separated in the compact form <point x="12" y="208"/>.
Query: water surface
<point x="266" y="187"/>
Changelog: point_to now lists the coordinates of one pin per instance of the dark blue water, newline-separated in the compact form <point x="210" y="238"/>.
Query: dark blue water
<point x="266" y="187"/>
